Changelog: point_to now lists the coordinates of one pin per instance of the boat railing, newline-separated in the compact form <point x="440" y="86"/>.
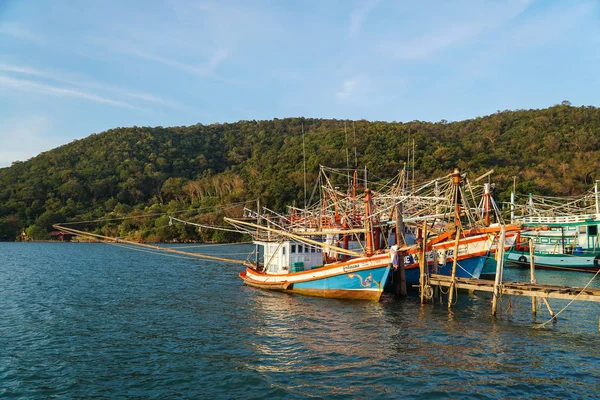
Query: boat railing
<point x="561" y="219"/>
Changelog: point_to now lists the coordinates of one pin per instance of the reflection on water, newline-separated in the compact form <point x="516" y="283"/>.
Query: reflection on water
<point x="98" y="321"/>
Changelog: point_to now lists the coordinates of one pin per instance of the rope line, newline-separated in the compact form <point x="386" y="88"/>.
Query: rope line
<point x="149" y="251"/>
<point x="565" y="307"/>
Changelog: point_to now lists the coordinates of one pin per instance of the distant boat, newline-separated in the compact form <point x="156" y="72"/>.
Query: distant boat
<point x="564" y="233"/>
<point x="561" y="242"/>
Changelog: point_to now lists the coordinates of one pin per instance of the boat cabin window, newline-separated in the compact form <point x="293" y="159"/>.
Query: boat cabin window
<point x="593" y="230"/>
<point x="283" y="251"/>
<point x="582" y="229"/>
<point x="293" y="248"/>
<point x="300" y="248"/>
<point x="312" y="250"/>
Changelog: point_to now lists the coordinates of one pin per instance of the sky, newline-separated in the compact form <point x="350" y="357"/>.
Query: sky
<point x="69" y="69"/>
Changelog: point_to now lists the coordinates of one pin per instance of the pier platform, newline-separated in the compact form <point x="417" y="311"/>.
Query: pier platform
<point x="519" y="288"/>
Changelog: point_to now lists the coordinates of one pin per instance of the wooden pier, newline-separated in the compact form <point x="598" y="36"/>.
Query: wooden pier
<point x="519" y="288"/>
<point x="430" y="286"/>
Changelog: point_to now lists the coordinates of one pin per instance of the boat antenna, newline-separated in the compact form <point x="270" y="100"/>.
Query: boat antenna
<point x="355" y="156"/>
<point x="408" y="169"/>
<point x="596" y="196"/>
<point x="304" y="163"/>
<point x="413" y="167"/>
<point x="347" y="156"/>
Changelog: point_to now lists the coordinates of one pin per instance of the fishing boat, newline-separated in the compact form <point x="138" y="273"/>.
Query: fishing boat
<point x="288" y="262"/>
<point x="563" y="233"/>
<point x="562" y="243"/>
<point x="474" y="245"/>
<point x="338" y="248"/>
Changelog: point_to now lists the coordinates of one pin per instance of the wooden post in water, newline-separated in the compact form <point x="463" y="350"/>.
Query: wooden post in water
<point x="423" y="262"/>
<point x="454" y="261"/>
<point x="400" y="273"/>
<point x="550" y="309"/>
<point x="499" y="268"/>
<point x="435" y="270"/>
<point x="532" y="268"/>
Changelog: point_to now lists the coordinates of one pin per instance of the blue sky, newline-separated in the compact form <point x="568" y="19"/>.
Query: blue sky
<point x="72" y="68"/>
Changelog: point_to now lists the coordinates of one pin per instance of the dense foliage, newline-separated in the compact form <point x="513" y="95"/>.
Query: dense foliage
<point x="140" y="170"/>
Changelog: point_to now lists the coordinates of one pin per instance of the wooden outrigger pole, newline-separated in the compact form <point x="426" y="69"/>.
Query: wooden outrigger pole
<point x="148" y="246"/>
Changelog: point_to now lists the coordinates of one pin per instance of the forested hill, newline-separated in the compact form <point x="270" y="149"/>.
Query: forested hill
<point x="141" y="169"/>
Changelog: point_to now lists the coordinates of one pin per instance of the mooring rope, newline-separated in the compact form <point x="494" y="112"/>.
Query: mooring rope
<point x="162" y="249"/>
<point x="565" y="307"/>
<point x="208" y="245"/>
<point x="149" y="251"/>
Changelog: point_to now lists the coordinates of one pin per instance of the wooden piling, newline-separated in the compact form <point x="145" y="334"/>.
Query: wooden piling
<point x="550" y="309"/>
<point x="400" y="273"/>
<point x="532" y="269"/>
<point x="454" y="262"/>
<point x="423" y="262"/>
<point x="499" y="269"/>
<point x="435" y="270"/>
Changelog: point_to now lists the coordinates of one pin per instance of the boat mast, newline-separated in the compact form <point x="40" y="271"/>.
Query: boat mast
<point x="368" y="227"/>
<point x="512" y="207"/>
<point x="596" y="193"/>
<point x="456" y="180"/>
<point x="257" y="231"/>
<point x="486" y="204"/>
<point x="304" y="164"/>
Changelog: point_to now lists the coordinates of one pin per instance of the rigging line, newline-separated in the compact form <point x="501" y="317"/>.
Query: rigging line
<point x="216" y="228"/>
<point x="565" y="307"/>
<point x="157" y="214"/>
<point x="162" y="253"/>
<point x="149" y="251"/>
<point x="148" y="246"/>
<point x="208" y="245"/>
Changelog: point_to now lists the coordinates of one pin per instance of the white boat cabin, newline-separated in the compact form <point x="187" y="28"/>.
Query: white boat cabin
<point x="289" y="256"/>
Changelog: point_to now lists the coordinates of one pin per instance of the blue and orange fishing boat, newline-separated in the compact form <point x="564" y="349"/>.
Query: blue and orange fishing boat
<point x="294" y="263"/>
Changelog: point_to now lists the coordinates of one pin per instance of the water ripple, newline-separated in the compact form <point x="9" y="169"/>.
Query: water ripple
<point x="91" y="320"/>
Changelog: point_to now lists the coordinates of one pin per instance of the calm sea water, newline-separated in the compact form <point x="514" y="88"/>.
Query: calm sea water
<point x="100" y="321"/>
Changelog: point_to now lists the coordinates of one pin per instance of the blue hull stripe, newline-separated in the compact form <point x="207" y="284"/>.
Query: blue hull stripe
<point x="372" y="279"/>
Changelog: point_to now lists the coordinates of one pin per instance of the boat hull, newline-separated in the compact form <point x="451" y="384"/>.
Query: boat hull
<point x="470" y="267"/>
<point x="564" y="262"/>
<point x="360" y="279"/>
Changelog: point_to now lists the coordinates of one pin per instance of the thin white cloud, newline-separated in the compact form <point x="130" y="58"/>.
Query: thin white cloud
<point x="79" y="83"/>
<point x="19" y="32"/>
<point x="207" y="69"/>
<point x="470" y="21"/>
<point x="360" y="14"/>
<point x="31" y="86"/>
<point x="347" y="89"/>
<point x="430" y="44"/>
